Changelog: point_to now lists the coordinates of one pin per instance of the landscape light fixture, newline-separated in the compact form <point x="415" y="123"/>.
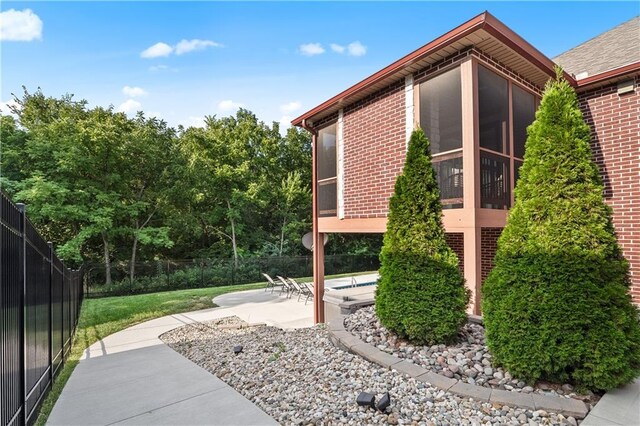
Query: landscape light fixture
<point x="366" y="399"/>
<point x="237" y="349"/>
<point x="384" y="402"/>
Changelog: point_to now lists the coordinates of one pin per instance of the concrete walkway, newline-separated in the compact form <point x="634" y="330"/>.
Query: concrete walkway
<point x="620" y="407"/>
<point x="131" y="377"/>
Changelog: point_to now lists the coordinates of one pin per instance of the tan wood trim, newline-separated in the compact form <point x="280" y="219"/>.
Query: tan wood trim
<point x="491" y="218"/>
<point x="457" y="218"/>
<point x="469" y="107"/>
<point x="441" y="156"/>
<point x="511" y="150"/>
<point x="318" y="239"/>
<point x="416" y="105"/>
<point x="318" y="277"/>
<point x="361" y="225"/>
<point x="327" y="181"/>
<point x="490" y="151"/>
<point x="454" y="220"/>
<point x="471" y="166"/>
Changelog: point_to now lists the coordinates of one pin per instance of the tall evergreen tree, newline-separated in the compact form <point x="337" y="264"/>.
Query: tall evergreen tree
<point x="556" y="305"/>
<point x="421" y="293"/>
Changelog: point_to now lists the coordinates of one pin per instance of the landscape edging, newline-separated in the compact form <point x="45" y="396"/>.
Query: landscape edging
<point x="343" y="339"/>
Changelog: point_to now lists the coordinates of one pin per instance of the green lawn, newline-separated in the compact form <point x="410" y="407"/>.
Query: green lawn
<point x="101" y="317"/>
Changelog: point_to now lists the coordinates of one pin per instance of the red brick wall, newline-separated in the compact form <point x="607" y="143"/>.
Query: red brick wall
<point x="374" y="151"/>
<point x="615" y="141"/>
<point x="456" y="242"/>
<point x="488" y="246"/>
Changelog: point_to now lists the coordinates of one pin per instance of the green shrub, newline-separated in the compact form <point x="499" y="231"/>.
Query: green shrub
<point x="556" y="305"/>
<point x="421" y="293"/>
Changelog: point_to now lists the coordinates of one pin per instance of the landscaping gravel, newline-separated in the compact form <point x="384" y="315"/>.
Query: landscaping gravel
<point x="299" y="377"/>
<point x="467" y="360"/>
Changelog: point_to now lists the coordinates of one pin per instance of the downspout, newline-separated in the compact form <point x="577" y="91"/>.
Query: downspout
<point x="318" y="239"/>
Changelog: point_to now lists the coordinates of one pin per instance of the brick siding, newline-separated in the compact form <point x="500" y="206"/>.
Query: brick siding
<point x="374" y="151"/>
<point x="488" y="247"/>
<point x="456" y="242"/>
<point x="615" y="140"/>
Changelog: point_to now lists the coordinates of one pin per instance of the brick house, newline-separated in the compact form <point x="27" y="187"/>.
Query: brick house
<point x="474" y="90"/>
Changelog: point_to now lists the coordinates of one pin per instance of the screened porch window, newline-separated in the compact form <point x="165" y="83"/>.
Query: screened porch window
<point x="524" y="113"/>
<point x="493" y="122"/>
<point x="441" y="120"/>
<point x="499" y="152"/>
<point x="327" y="171"/>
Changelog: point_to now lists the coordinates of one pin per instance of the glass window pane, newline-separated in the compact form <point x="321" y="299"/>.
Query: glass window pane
<point x="450" y="182"/>
<point x="327" y="152"/>
<point x="524" y="112"/>
<point x="494" y="181"/>
<point x="441" y="111"/>
<point x="327" y="198"/>
<point x="493" y="99"/>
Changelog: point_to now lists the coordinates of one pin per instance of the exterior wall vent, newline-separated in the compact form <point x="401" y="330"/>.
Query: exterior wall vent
<point x="625" y="87"/>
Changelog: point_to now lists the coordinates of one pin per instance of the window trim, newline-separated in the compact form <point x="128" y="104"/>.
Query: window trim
<point x="329" y="180"/>
<point x="418" y="95"/>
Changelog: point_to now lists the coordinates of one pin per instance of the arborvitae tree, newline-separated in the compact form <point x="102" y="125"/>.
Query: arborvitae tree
<point x="421" y="293"/>
<point x="556" y="305"/>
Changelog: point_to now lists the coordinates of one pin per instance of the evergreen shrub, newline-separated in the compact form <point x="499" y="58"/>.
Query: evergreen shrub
<point x="421" y="293"/>
<point x="556" y="305"/>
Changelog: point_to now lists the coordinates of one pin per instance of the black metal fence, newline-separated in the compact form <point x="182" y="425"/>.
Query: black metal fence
<point x="39" y="306"/>
<point x="166" y="274"/>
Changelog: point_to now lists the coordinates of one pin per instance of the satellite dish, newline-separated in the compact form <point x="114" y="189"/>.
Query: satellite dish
<point x="307" y="240"/>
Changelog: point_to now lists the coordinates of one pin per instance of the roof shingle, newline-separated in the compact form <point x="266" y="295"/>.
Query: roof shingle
<point x="613" y="49"/>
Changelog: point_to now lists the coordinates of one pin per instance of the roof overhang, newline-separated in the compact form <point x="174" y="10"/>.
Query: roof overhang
<point x="484" y="31"/>
<point x="608" y="77"/>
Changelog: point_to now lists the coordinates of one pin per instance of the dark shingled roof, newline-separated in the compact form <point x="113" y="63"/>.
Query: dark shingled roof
<point x="613" y="49"/>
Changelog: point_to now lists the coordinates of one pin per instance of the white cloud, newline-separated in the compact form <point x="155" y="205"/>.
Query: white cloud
<point x="290" y="107"/>
<point x="157" y="50"/>
<point x="186" y="46"/>
<point x="337" y="48"/>
<point x="20" y="25"/>
<point x="285" y="123"/>
<point x="155" y="68"/>
<point x="311" y="49"/>
<point x="357" y="49"/>
<point x="129" y="106"/>
<point x="5" y="107"/>
<point x="229" y="105"/>
<point x="133" y="92"/>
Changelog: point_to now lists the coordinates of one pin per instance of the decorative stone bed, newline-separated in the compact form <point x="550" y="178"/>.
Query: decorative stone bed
<point x="300" y="377"/>
<point x="467" y="360"/>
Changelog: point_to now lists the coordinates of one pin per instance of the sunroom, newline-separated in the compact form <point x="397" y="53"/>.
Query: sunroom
<point x="473" y="91"/>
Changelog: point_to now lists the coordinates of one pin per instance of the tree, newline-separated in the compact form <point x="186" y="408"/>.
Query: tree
<point x="556" y="305"/>
<point x="150" y="153"/>
<point x="12" y="160"/>
<point x="292" y="194"/>
<point x="421" y="293"/>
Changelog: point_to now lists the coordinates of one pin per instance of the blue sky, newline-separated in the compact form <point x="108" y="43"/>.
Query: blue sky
<point x="248" y="54"/>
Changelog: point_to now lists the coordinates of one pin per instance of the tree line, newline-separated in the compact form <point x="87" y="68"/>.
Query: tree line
<point x="106" y="187"/>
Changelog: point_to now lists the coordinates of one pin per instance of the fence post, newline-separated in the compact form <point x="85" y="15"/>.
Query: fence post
<point x="50" y="244"/>
<point x="23" y="275"/>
